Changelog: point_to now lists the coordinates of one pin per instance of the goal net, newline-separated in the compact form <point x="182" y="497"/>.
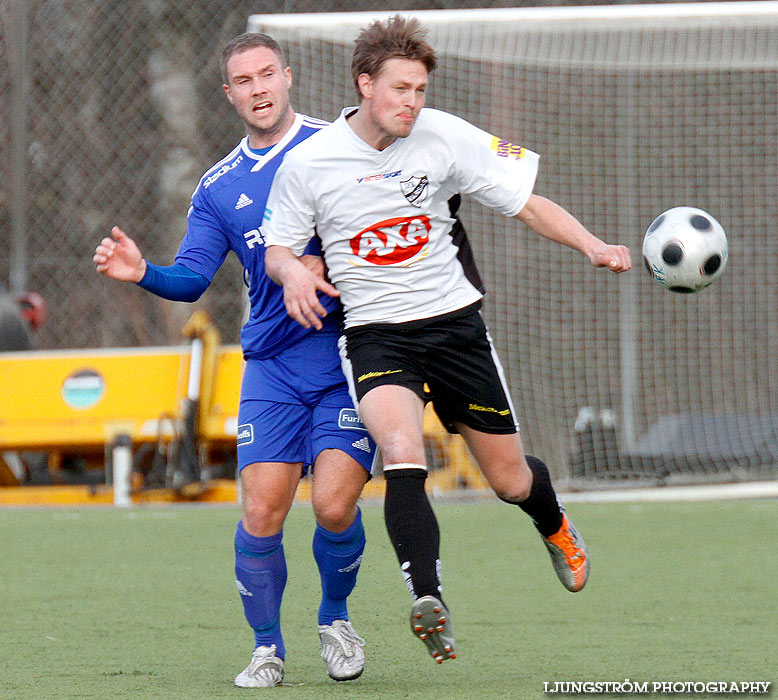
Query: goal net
<point x="634" y="109"/>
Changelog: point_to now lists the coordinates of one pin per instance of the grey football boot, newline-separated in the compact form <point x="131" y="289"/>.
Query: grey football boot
<point x="430" y="622"/>
<point x="568" y="555"/>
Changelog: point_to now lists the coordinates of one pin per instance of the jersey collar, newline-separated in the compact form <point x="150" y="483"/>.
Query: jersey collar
<point x="357" y="141"/>
<point x="273" y="152"/>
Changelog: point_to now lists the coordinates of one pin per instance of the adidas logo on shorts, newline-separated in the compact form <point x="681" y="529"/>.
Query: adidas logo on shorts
<point x="363" y="444"/>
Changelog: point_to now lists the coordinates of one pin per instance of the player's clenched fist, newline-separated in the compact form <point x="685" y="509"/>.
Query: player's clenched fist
<point x="616" y="258"/>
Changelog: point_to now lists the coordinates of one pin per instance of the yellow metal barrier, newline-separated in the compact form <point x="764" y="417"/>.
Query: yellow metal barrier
<point x="219" y="416"/>
<point x="67" y="399"/>
<point x="72" y="401"/>
<point x="66" y="402"/>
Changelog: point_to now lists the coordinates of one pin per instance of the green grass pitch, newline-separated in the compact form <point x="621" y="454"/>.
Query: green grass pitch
<point x="142" y="603"/>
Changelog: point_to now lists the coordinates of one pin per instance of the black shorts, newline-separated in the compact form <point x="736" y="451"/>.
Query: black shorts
<point x="451" y="354"/>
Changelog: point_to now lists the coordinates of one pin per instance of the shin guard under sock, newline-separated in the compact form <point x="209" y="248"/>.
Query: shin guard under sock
<point x="413" y="529"/>
<point x="542" y="504"/>
<point x="260" y="569"/>
<point x="338" y="556"/>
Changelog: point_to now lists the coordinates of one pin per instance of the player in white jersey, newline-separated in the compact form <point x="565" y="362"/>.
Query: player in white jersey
<point x="398" y="213"/>
<point x="374" y="185"/>
<point x="294" y="408"/>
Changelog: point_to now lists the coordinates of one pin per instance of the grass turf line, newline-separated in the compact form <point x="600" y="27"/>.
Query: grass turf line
<point x="141" y="603"/>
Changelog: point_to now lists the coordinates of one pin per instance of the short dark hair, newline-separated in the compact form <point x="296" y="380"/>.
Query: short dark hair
<point x="397" y="38"/>
<point x="244" y="42"/>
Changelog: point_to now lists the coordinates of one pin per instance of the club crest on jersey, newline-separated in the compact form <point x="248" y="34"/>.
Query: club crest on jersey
<point x="415" y="189"/>
<point x="392" y="241"/>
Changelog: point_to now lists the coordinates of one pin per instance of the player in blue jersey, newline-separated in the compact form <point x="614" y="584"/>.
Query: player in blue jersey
<point x="295" y="409"/>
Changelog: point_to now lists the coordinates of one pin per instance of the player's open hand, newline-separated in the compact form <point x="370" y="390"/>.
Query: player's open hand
<point x="119" y="257"/>
<point x="616" y="258"/>
<point x="315" y="263"/>
<point x="300" y="297"/>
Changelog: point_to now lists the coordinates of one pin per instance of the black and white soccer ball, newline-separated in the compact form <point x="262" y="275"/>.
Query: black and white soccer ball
<point x="685" y="249"/>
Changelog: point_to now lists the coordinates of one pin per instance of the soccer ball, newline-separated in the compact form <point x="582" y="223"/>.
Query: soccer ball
<point x="685" y="249"/>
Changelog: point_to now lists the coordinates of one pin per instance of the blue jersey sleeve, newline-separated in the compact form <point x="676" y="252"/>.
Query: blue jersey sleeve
<point x="313" y="247"/>
<point x="174" y="282"/>
<point x="206" y="244"/>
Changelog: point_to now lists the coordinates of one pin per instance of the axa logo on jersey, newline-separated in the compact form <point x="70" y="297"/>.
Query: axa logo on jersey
<point x="392" y="241"/>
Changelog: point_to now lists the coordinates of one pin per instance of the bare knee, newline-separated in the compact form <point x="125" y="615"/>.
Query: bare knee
<point x="338" y="480"/>
<point x="512" y="482"/>
<point x="267" y="494"/>
<point x="400" y="447"/>
<point x="512" y="495"/>
<point x="263" y="517"/>
<point x="335" y="515"/>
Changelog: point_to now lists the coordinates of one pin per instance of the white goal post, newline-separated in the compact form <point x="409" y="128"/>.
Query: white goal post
<point x="634" y="109"/>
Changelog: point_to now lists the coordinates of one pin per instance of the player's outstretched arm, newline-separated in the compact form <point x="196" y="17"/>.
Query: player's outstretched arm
<point x="555" y="223"/>
<point x="119" y="257"/>
<point x="300" y="286"/>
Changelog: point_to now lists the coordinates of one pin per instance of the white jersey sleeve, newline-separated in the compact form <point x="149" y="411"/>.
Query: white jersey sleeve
<point x="295" y="226"/>
<point x="495" y="172"/>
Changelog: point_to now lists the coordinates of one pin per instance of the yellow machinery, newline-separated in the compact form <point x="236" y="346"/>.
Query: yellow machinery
<point x="181" y="400"/>
<point x="66" y="399"/>
<point x="179" y="405"/>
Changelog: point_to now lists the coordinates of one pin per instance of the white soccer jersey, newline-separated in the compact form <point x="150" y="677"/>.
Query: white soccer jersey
<point x="383" y="216"/>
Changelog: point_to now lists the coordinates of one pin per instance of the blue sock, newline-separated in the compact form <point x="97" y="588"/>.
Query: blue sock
<point x="338" y="555"/>
<point x="260" y="568"/>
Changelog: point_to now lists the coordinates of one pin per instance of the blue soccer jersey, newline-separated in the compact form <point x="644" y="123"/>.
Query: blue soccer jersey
<point x="226" y="214"/>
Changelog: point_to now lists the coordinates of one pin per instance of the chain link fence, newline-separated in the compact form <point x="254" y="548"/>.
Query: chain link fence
<point x="111" y="111"/>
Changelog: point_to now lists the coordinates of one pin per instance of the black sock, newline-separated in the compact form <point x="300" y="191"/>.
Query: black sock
<point x="542" y="504"/>
<point x="413" y="530"/>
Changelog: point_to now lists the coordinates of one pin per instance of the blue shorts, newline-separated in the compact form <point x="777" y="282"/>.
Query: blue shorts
<point x="296" y="404"/>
